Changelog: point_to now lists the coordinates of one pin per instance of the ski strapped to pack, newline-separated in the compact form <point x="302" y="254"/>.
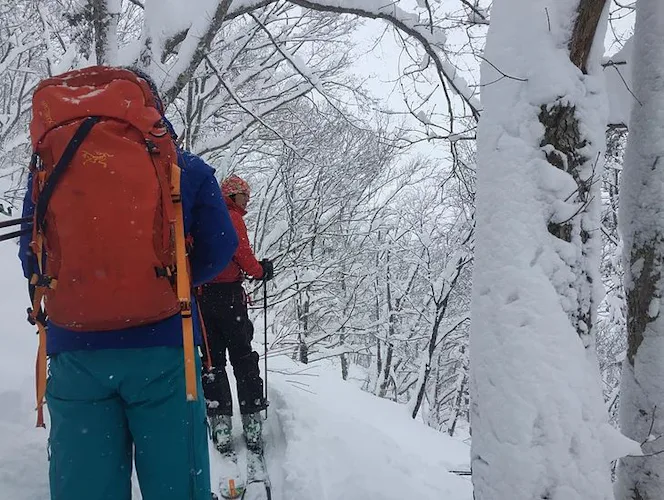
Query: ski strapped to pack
<point x="183" y="287"/>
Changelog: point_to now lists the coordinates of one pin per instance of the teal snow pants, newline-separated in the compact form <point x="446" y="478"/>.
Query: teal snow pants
<point x="109" y="405"/>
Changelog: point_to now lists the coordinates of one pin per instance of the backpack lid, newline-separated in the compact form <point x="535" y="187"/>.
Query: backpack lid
<point x="96" y="91"/>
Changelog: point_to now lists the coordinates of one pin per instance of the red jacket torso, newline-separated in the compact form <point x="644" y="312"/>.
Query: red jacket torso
<point x="244" y="260"/>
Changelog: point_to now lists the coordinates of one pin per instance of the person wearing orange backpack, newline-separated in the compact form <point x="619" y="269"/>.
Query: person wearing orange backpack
<point x="113" y="198"/>
<point x="224" y="309"/>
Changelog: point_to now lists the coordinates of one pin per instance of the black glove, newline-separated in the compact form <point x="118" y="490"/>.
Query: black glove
<point x="268" y="270"/>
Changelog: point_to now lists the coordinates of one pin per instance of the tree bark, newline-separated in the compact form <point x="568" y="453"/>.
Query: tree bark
<point x="565" y="144"/>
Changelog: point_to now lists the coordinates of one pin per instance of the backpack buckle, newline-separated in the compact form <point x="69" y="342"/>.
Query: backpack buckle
<point x="165" y="272"/>
<point x="152" y="147"/>
<point x="185" y="308"/>
<point x="43" y="281"/>
<point x="40" y="317"/>
<point x="35" y="163"/>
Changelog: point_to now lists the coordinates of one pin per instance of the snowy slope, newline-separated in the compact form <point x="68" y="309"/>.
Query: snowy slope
<point x="333" y="441"/>
<point x="325" y="439"/>
<point x="23" y="462"/>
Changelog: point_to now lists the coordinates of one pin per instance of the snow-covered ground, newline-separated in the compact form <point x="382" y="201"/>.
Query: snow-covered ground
<point x="23" y="464"/>
<point x="325" y="438"/>
<point x="329" y="440"/>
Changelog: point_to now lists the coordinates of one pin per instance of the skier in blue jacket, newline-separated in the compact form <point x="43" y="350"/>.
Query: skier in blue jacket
<point x="117" y="395"/>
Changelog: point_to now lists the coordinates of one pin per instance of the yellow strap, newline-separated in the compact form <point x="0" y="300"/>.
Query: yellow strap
<point x="40" y="363"/>
<point x="40" y="375"/>
<point x="183" y="287"/>
<point x="39" y="243"/>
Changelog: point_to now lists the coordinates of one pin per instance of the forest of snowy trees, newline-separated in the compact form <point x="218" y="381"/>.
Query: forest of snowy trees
<point x="484" y="245"/>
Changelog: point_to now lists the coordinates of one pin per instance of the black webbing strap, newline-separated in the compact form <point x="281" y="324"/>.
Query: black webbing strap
<point x="14" y="234"/>
<point x="15" y="222"/>
<point x="64" y="161"/>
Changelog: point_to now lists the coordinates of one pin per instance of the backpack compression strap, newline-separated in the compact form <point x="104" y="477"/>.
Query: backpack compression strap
<point x="183" y="288"/>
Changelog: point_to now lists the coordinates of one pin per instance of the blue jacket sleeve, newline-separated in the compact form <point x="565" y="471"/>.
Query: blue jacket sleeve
<point x="215" y="240"/>
<point x="28" y="259"/>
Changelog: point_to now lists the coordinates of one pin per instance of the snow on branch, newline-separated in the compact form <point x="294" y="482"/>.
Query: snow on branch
<point x="238" y="8"/>
<point x="241" y="7"/>
<point x="15" y="52"/>
<point x="248" y="110"/>
<point x="478" y="15"/>
<point x="222" y="142"/>
<point x="408" y="23"/>
<point x="294" y="61"/>
<point x="298" y="65"/>
<point x="193" y="49"/>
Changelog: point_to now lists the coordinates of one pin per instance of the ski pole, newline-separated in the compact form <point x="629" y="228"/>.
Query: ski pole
<point x="15" y="222"/>
<point x="14" y="234"/>
<point x="265" y="338"/>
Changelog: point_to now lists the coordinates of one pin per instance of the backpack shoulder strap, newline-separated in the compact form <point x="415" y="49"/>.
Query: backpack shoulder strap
<point x="60" y="168"/>
<point x="37" y="314"/>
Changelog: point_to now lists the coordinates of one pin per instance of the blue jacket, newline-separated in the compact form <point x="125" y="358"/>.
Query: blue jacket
<point x="206" y="219"/>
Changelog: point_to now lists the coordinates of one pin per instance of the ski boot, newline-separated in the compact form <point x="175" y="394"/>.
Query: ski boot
<point x="252" y="423"/>
<point x="222" y="426"/>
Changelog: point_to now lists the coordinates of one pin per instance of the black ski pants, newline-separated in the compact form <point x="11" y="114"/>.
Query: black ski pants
<point x="224" y="310"/>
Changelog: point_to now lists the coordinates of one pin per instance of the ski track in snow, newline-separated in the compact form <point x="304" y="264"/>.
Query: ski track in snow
<point x="325" y="438"/>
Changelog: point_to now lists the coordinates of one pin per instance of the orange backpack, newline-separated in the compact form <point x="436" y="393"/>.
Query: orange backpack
<point x="108" y="215"/>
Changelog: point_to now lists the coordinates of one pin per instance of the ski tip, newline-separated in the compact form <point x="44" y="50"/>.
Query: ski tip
<point x="232" y="490"/>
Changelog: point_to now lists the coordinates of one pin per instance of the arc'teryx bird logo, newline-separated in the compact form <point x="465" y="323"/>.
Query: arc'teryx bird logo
<point x="45" y="113"/>
<point x="98" y="158"/>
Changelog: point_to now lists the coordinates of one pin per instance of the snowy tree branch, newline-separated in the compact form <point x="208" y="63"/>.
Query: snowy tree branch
<point x="408" y="24"/>
<point x="241" y="127"/>
<point x="615" y="66"/>
<point x="185" y="68"/>
<point x="246" y="108"/>
<point x="477" y="12"/>
<point x="234" y="11"/>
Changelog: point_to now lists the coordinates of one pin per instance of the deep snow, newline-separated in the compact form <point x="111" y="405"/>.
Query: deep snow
<point x="325" y="438"/>
<point x="540" y="428"/>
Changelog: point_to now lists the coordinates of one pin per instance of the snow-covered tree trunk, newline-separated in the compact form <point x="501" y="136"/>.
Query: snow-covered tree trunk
<point x="642" y="226"/>
<point x="538" y="419"/>
<point x="105" y="17"/>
